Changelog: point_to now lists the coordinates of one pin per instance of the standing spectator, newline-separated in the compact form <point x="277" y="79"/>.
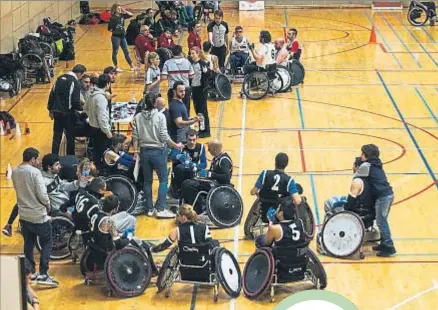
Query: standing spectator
<point x="144" y="43"/>
<point x="149" y="20"/>
<point x="150" y="140"/>
<point x="85" y="88"/>
<point x="117" y="26"/>
<point x="200" y="67"/>
<point x="166" y="40"/>
<point x="64" y="103"/>
<point x="96" y="108"/>
<point x="175" y="69"/>
<point x="179" y="116"/>
<point x="112" y="74"/>
<point x="152" y="77"/>
<point x="194" y="38"/>
<point x="33" y="208"/>
<point x="218" y="37"/>
<point x="382" y="192"/>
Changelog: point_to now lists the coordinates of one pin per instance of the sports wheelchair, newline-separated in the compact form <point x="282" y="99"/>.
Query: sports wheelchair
<point x="202" y="10"/>
<point x="257" y="84"/>
<point x="223" y="204"/>
<point x="201" y="264"/>
<point x="11" y="74"/>
<point x="218" y="86"/>
<point x="238" y="75"/>
<point x="420" y="12"/>
<point x="127" y="271"/>
<point x="269" y="268"/>
<point x="344" y="232"/>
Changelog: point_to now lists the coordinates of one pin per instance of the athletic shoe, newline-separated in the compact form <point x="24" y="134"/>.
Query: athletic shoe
<point x="47" y="280"/>
<point x="7" y="230"/>
<point x="379" y="248"/>
<point x="34" y="277"/>
<point x="139" y="210"/>
<point x="119" y="70"/>
<point x="152" y="212"/>
<point x="165" y="214"/>
<point x="387" y="252"/>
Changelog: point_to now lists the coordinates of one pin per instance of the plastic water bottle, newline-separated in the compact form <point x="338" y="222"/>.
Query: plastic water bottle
<point x="124" y="112"/>
<point x="187" y="161"/>
<point x="201" y="122"/>
<point x="85" y="173"/>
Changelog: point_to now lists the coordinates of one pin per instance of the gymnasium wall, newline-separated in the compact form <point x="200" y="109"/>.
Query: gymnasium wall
<point x="17" y="18"/>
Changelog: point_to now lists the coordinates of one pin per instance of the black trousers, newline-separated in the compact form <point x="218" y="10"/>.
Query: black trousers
<point x="179" y="175"/>
<point x="186" y="99"/>
<point x="30" y="232"/>
<point x="13" y="216"/>
<point x="100" y="144"/>
<point x="200" y="104"/>
<point x="221" y="54"/>
<point x="191" y="188"/>
<point x="63" y="123"/>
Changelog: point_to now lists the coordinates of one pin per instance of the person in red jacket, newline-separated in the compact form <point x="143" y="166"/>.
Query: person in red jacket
<point x="166" y="40"/>
<point x="194" y="39"/>
<point x="144" y="42"/>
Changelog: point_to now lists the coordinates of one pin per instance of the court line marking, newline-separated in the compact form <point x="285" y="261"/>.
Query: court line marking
<point x="416" y="296"/>
<point x="426" y="104"/>
<point x="411" y="135"/>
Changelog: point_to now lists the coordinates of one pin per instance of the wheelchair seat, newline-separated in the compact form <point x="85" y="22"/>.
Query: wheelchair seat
<point x="291" y="262"/>
<point x="195" y="261"/>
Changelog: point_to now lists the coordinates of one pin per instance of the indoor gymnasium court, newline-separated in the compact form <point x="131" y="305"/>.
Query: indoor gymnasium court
<point x="371" y="77"/>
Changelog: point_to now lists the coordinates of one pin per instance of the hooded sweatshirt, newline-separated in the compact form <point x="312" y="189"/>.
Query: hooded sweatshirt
<point x="150" y="129"/>
<point x="96" y="108"/>
<point x="57" y="189"/>
<point x="376" y="177"/>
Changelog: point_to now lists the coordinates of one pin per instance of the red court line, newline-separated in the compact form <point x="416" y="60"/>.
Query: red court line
<point x="415" y="194"/>
<point x="386" y="51"/>
<point x="19" y="99"/>
<point x="303" y="158"/>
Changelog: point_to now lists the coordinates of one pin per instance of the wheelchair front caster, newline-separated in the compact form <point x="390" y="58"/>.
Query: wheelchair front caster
<point x="167" y="294"/>
<point x="109" y="293"/>
<point x="272" y="294"/>
<point x="216" y="293"/>
<point x="361" y="255"/>
<point x="88" y="282"/>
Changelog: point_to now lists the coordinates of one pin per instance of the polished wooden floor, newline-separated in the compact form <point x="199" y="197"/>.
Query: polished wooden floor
<point x="354" y="93"/>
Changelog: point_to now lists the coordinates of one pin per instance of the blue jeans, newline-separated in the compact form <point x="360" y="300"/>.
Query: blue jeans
<point x="238" y="59"/>
<point x="120" y="42"/>
<point x="383" y="206"/>
<point x="154" y="159"/>
<point x="189" y="11"/>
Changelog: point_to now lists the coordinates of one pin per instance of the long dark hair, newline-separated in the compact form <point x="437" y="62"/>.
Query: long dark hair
<point x="149" y="101"/>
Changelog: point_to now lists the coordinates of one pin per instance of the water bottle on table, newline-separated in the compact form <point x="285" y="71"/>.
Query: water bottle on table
<point x="201" y="122"/>
<point x="124" y="111"/>
<point x="85" y="173"/>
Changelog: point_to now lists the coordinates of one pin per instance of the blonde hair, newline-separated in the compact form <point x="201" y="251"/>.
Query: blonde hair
<point x="199" y="52"/>
<point x="151" y="57"/>
<point x="114" y="8"/>
<point x="188" y="212"/>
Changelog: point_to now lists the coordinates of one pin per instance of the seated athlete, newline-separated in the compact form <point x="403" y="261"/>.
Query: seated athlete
<point x="187" y="162"/>
<point x="220" y="172"/>
<point x="272" y="185"/>
<point x="188" y="231"/>
<point x="115" y="158"/>
<point x="264" y="55"/>
<point x="239" y="50"/>
<point x="293" y="45"/>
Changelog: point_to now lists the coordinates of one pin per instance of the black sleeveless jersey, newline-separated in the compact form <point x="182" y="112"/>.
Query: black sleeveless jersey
<point x="275" y="184"/>
<point x="221" y="168"/>
<point x="195" y="154"/>
<point x="86" y="205"/>
<point x="365" y="200"/>
<point x="193" y="233"/>
<point x="292" y="234"/>
<point x="102" y="239"/>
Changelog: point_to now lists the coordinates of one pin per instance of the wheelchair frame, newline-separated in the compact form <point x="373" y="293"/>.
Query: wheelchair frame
<point x="418" y="5"/>
<point x="254" y="77"/>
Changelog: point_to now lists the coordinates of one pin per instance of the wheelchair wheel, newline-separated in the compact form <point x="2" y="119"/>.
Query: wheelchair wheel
<point x="297" y="72"/>
<point x="252" y="219"/>
<point x="76" y="246"/>
<point x="197" y="13"/>
<point x="258" y="273"/>
<point x="342" y="234"/>
<point x="62" y="228"/>
<point x="306" y="215"/>
<point x="228" y="272"/>
<point x="128" y="272"/>
<point x="314" y="266"/>
<point x="222" y="86"/>
<point x="125" y="190"/>
<point x="418" y="16"/>
<point x="286" y="77"/>
<point x="275" y="83"/>
<point x="168" y="271"/>
<point x="224" y="206"/>
<point x="255" y="86"/>
<point x="31" y="62"/>
<point x="47" y="49"/>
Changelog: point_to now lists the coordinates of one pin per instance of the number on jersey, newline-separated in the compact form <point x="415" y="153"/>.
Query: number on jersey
<point x="277" y="179"/>
<point x="295" y="233"/>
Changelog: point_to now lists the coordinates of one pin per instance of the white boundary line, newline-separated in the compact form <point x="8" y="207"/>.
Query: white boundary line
<point x="416" y="296"/>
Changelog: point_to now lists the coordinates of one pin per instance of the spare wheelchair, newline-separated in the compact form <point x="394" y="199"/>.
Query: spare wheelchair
<point x="223" y="204"/>
<point x="201" y="264"/>
<point x="11" y="74"/>
<point x="257" y="84"/>
<point x="421" y="11"/>
<point x="127" y="271"/>
<point x="218" y="86"/>
<point x="203" y="9"/>
<point x="344" y="232"/>
<point x="269" y="268"/>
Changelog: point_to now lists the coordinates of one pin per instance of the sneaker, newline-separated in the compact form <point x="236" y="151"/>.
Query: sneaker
<point x="7" y="230"/>
<point x="47" y="280"/>
<point x="387" y="252"/>
<point x="139" y="210"/>
<point x="34" y="277"/>
<point x="119" y="70"/>
<point x="165" y="214"/>
<point x="152" y="212"/>
<point x="379" y="248"/>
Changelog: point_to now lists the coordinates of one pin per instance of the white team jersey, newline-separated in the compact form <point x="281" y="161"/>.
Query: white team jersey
<point x="268" y="52"/>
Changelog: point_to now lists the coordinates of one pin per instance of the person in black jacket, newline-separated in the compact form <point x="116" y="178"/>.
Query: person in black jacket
<point x="64" y="105"/>
<point x="382" y="192"/>
<point x="117" y="26"/>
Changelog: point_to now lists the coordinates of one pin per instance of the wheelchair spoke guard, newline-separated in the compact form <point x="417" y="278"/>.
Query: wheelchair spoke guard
<point x="224" y="206"/>
<point x="252" y="219"/>
<point x="306" y="215"/>
<point x="168" y="270"/>
<point x="125" y="190"/>
<point x="228" y="272"/>
<point x="223" y="86"/>
<point x="258" y="273"/>
<point x="317" y="270"/>
<point x="297" y="72"/>
<point x="62" y="228"/>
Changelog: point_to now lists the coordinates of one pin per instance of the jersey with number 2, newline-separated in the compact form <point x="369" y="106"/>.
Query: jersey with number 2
<point x="274" y="184"/>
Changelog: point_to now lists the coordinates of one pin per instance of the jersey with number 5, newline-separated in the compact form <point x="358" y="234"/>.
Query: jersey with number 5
<point x="274" y="184"/>
<point x="292" y="234"/>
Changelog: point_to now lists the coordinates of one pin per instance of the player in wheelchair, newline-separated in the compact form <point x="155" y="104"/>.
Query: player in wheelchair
<point x="348" y="222"/>
<point x="211" y="194"/>
<point x="239" y="53"/>
<point x="126" y="261"/>
<point x="186" y="163"/>
<point x="282" y="255"/>
<point x="197" y="259"/>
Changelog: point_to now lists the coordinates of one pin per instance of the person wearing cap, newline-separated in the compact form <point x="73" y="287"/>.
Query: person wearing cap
<point x="282" y="55"/>
<point x="239" y="49"/>
<point x="371" y="169"/>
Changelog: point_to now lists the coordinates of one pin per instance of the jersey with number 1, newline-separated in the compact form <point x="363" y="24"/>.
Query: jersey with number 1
<point x="274" y="184"/>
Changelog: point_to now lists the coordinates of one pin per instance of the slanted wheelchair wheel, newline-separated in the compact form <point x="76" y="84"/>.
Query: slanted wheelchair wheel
<point x="46" y="47"/>
<point x="417" y="16"/>
<point x="317" y="270"/>
<point x="62" y="228"/>
<point x="276" y="82"/>
<point x="168" y="270"/>
<point x="286" y="77"/>
<point x="125" y="190"/>
<point x="228" y="272"/>
<point x="297" y="72"/>
<point x="258" y="273"/>
<point x="224" y="206"/>
<point x="343" y="234"/>
<point x="128" y="272"/>
<point x="31" y="62"/>
<point x="304" y="212"/>
<point x="223" y="86"/>
<point x="252" y="219"/>
<point x="255" y="86"/>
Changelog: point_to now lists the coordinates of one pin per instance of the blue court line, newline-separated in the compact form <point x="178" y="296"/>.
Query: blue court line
<point x="416" y="40"/>
<point x="401" y="40"/>
<point x="300" y="107"/>
<point x="426" y="104"/>
<point x="388" y="47"/>
<point x="420" y="152"/>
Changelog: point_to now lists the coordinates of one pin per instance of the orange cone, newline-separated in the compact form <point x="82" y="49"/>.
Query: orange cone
<point x="373" y="39"/>
<point x="26" y="129"/>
